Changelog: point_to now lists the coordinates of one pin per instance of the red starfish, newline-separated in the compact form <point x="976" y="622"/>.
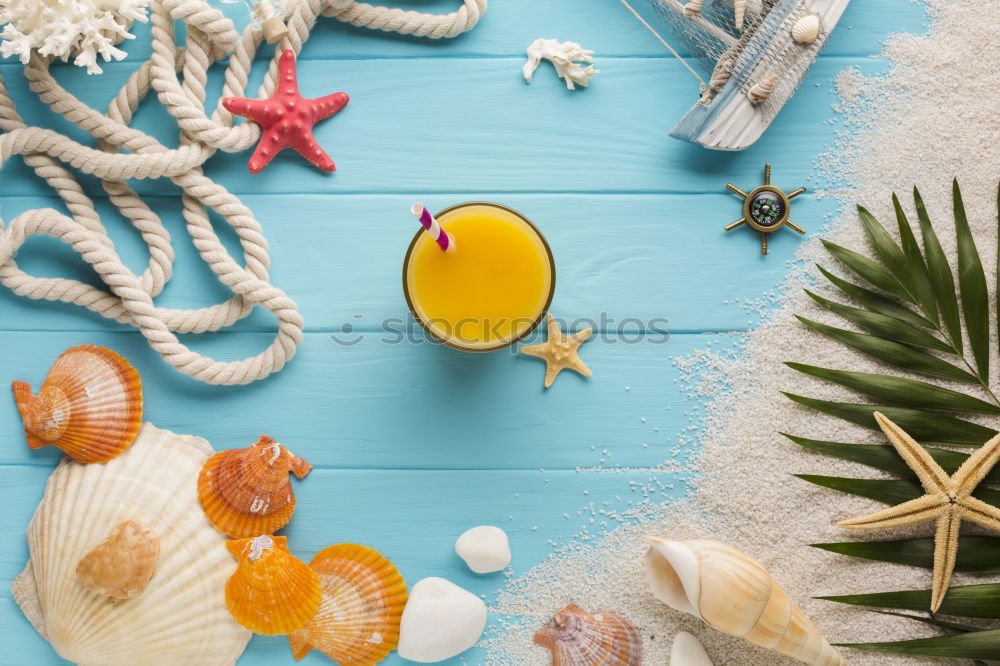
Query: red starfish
<point x="287" y="118"/>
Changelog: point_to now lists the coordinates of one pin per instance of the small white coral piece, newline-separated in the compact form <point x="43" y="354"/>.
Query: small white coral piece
<point x="82" y="29"/>
<point x="485" y="549"/>
<point x="566" y="57"/>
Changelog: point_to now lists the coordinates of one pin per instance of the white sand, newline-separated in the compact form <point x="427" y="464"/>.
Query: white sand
<point x="930" y="118"/>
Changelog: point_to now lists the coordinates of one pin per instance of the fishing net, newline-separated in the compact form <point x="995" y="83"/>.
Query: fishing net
<point x="745" y="51"/>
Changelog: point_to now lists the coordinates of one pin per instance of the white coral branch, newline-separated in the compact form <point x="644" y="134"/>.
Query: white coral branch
<point x="565" y="57"/>
<point x="82" y="29"/>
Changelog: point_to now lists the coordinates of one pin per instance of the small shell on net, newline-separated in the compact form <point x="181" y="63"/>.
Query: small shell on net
<point x="692" y="8"/>
<point x="272" y="592"/>
<point x="578" y="638"/>
<point x="90" y="405"/>
<point x="121" y="565"/>
<point x="740" y="7"/>
<point x="806" y="29"/>
<point x="762" y="89"/>
<point x="247" y="492"/>
<point x="363" y="599"/>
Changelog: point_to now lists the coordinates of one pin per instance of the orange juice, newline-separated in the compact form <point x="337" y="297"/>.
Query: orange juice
<point x="492" y="289"/>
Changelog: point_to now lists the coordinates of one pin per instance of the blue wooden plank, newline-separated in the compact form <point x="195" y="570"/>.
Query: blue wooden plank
<point x="339" y="257"/>
<point x="399" y="134"/>
<point x="510" y="25"/>
<point x="338" y="506"/>
<point x="383" y="404"/>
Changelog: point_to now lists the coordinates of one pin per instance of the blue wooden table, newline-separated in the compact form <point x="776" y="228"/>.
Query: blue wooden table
<point x="634" y="219"/>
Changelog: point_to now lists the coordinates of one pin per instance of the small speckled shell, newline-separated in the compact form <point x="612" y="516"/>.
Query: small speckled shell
<point x="762" y="89"/>
<point x="247" y="492"/>
<point x="363" y="599"/>
<point x="272" y="592"/>
<point x="90" y="405"/>
<point x="121" y="565"/>
<point x="578" y="638"/>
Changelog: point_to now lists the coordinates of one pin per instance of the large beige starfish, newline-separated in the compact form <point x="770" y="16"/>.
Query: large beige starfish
<point x="948" y="501"/>
<point x="559" y="351"/>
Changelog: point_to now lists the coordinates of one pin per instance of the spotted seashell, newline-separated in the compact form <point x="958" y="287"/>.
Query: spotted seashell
<point x="578" y="638"/>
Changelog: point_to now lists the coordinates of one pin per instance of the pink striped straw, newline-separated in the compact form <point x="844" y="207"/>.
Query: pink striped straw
<point x="446" y="242"/>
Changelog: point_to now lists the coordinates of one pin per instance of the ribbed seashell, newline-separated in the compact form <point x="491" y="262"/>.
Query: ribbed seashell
<point x="762" y="89"/>
<point x="693" y="8"/>
<point x="247" y="492"/>
<point x="733" y="593"/>
<point x="806" y="29"/>
<point x="90" y="405"/>
<point x="121" y="565"/>
<point x="687" y="651"/>
<point x="272" y="592"/>
<point x="181" y="616"/>
<point x="578" y="638"/>
<point x="363" y="599"/>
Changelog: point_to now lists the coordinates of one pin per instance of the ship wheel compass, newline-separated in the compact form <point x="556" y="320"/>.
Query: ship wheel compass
<point x="766" y="208"/>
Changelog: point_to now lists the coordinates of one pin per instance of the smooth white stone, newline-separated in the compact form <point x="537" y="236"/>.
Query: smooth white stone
<point x="687" y="651"/>
<point x="485" y="549"/>
<point x="440" y="621"/>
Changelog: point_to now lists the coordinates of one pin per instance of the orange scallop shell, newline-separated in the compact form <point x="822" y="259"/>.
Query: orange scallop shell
<point x="578" y="638"/>
<point x="90" y="405"/>
<point x="247" y="492"/>
<point x="363" y="599"/>
<point x="272" y="592"/>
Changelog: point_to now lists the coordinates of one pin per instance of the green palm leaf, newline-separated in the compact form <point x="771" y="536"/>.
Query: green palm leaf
<point x="978" y="554"/>
<point x="982" y="601"/>
<point x="893" y="353"/>
<point x="941" y="278"/>
<point x="866" y="269"/>
<point x="886" y="491"/>
<point x="916" y="267"/>
<point x="900" y="391"/>
<point x="972" y="284"/>
<point x="970" y="645"/>
<point x="885" y="458"/>
<point x="876" y="302"/>
<point x="883" y="326"/>
<point x="921" y="425"/>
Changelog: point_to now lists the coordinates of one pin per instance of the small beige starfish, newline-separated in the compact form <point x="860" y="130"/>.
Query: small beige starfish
<point x="948" y="501"/>
<point x="559" y="351"/>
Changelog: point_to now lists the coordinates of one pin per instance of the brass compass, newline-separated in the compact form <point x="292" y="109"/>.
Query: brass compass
<point x="766" y="208"/>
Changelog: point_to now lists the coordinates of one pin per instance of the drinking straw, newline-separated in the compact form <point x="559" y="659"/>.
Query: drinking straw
<point x="446" y="242"/>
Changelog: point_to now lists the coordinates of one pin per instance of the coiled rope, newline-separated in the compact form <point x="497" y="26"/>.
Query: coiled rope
<point x="129" y="297"/>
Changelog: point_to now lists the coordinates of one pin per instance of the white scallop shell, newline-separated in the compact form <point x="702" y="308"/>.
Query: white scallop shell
<point x="806" y="29"/>
<point x="181" y="617"/>
<point x="762" y="89"/>
<point x="732" y="592"/>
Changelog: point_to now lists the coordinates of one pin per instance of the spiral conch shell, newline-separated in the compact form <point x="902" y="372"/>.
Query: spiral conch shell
<point x="363" y="599"/>
<point x="578" y="638"/>
<point x="121" y="565"/>
<point x="180" y="617"/>
<point x="693" y="8"/>
<point x="247" y="492"/>
<point x="90" y="405"/>
<point x="272" y="592"/>
<point x="762" y="89"/>
<point x="733" y="593"/>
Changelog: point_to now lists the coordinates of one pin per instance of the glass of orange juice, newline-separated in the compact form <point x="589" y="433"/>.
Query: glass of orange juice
<point x="492" y="289"/>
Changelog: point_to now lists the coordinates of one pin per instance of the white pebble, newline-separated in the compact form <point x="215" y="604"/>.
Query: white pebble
<point x="439" y="621"/>
<point x="485" y="549"/>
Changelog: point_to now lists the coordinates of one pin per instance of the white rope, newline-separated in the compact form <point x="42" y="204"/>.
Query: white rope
<point x="129" y="297"/>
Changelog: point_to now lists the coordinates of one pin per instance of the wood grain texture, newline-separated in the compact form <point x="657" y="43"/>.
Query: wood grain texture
<point x="634" y="219"/>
